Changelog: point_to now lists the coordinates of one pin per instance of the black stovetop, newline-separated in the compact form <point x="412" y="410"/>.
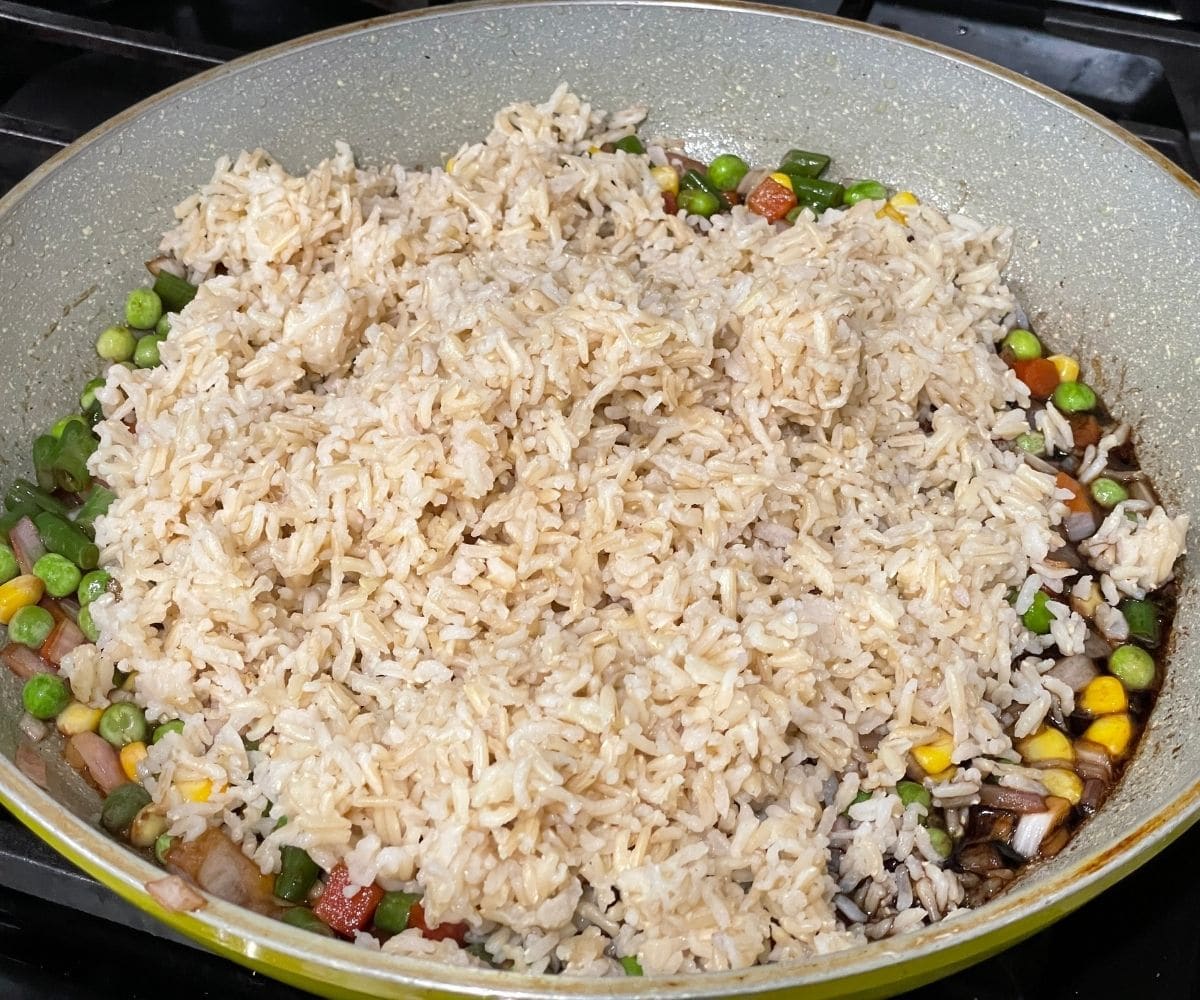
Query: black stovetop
<point x="66" y="65"/>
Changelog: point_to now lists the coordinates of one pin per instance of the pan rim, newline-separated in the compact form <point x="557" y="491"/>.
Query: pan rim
<point x="235" y="930"/>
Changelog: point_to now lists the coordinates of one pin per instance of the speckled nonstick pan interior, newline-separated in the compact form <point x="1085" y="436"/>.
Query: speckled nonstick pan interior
<point x="1107" y="263"/>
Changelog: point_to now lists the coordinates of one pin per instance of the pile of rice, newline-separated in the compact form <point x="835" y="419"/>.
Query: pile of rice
<point x="570" y="564"/>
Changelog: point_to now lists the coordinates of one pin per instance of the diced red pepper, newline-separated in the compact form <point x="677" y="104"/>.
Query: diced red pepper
<point x="346" y="914"/>
<point x="670" y="204"/>
<point x="732" y="197"/>
<point x="1039" y="375"/>
<point x="416" y="918"/>
<point x="1079" y="503"/>
<point x="771" y="200"/>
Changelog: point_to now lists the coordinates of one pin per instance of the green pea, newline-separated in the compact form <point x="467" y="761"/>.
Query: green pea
<point x="45" y="695"/>
<point x="163" y="326"/>
<point x="163" y="844"/>
<point x="92" y="586"/>
<point x="88" y="396"/>
<point x="630" y="144"/>
<point x="9" y="567"/>
<point x="696" y="202"/>
<point x="1038" y="617"/>
<point x="1108" y="492"/>
<point x="393" y="910"/>
<point x="1074" y="397"/>
<point x="58" y="573"/>
<point x="143" y="309"/>
<point x="61" y="425"/>
<point x="727" y="170"/>
<point x="174" y="726"/>
<point x="305" y="919"/>
<point x="31" y="626"/>
<point x="123" y="803"/>
<point x="864" y="191"/>
<point x="1132" y="666"/>
<point x="1023" y="345"/>
<point x="631" y="966"/>
<point x="145" y="355"/>
<point x="123" y="723"/>
<point x="116" y="344"/>
<point x="1032" y="443"/>
<point x="794" y="214"/>
<point x="940" y="841"/>
<point x="914" y="791"/>
<point x="1142" y="619"/>
<point x="86" y="625"/>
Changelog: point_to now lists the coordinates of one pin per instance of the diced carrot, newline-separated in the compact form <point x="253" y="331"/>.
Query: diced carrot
<point x="732" y="197"/>
<point x="1085" y="428"/>
<point x="771" y="200"/>
<point x="670" y="205"/>
<point x="416" y="918"/>
<point x="346" y="914"/>
<point x="1078" y="503"/>
<point x="1039" y="375"/>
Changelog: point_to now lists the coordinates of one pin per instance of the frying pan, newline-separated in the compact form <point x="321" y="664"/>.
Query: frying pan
<point x="1107" y="263"/>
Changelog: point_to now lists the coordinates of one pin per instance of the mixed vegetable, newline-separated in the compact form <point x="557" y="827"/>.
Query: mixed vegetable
<point x="49" y="579"/>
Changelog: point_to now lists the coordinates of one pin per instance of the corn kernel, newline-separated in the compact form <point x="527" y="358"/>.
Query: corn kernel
<point x="1046" y="744"/>
<point x="903" y="199"/>
<point x="946" y="775"/>
<point x="1067" y="368"/>
<point x="196" y="791"/>
<point x="19" y="592"/>
<point x="1103" y="696"/>
<point x="666" y="178"/>
<point x="132" y="754"/>
<point x="450" y="163"/>
<point x="1113" y="732"/>
<point x="784" y="179"/>
<point x="889" y="211"/>
<point x="935" y="757"/>
<point x="1063" y="783"/>
<point x="78" y="718"/>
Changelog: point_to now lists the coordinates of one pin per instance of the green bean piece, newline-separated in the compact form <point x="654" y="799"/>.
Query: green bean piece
<point x="630" y="144"/>
<point x="9" y="521"/>
<point x="23" y="493"/>
<point x="143" y="309"/>
<point x="696" y="202"/>
<point x="163" y="844"/>
<point x="173" y="292"/>
<point x="1074" y="397"/>
<point x="1108" y="492"/>
<point x="865" y="191"/>
<point x="45" y="451"/>
<point x="163" y="326"/>
<point x="479" y="951"/>
<point x="727" y="171"/>
<point x="45" y="695"/>
<point x="631" y="966"/>
<point x="1142" y="618"/>
<point x="58" y="573"/>
<point x="693" y="180"/>
<point x="802" y="163"/>
<point x="9" y="567"/>
<point x="816" y="194"/>
<point x="61" y="425"/>
<point x="279" y="824"/>
<point x="1037" y="617"/>
<point x="145" y="355"/>
<point x="1023" y="345"/>
<point x="914" y="791"/>
<point x="61" y="536"/>
<point x="305" y="919"/>
<point x="123" y="723"/>
<point x="793" y="214"/>
<point x="392" y="913"/>
<point x="75" y="447"/>
<point x="1131" y="665"/>
<point x="30" y="626"/>
<point x="96" y="505"/>
<point x="940" y="841"/>
<point x="123" y="803"/>
<point x="297" y="874"/>
<point x="116" y="344"/>
<point x="88" y="396"/>
<point x="1032" y="443"/>
<point x="86" y="625"/>
<point x="174" y="726"/>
